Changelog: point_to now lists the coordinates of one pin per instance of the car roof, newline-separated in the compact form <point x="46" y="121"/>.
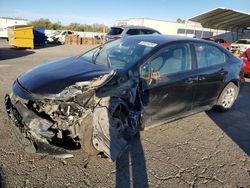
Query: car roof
<point x="162" y="39"/>
<point x="132" y="27"/>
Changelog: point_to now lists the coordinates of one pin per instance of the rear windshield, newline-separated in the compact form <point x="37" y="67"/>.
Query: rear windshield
<point x="115" y="31"/>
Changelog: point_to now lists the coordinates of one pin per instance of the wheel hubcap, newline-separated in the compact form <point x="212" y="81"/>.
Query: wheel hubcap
<point x="228" y="98"/>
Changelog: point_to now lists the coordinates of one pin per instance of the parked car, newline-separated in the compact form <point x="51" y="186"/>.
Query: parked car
<point x="221" y="41"/>
<point x="240" y="45"/>
<point x="245" y="56"/>
<point x="100" y="99"/>
<point x="59" y="36"/>
<point x="118" y="32"/>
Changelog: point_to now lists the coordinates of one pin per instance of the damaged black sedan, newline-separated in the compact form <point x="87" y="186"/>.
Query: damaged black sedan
<point x="100" y="99"/>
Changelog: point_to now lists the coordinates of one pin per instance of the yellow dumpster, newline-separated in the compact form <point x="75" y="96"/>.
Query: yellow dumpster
<point x="21" y="37"/>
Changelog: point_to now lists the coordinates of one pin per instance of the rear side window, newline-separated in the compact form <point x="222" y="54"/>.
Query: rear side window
<point x="148" y="31"/>
<point x="133" y="32"/>
<point x="115" y="31"/>
<point x="208" y="55"/>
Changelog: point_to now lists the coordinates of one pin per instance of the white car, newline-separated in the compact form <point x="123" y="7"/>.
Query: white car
<point x="59" y="36"/>
<point x="242" y="45"/>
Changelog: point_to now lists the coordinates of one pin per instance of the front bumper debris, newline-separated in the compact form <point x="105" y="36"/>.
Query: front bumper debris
<point x="31" y="130"/>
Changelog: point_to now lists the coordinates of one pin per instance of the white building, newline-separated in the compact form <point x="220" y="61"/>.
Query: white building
<point x="8" y="22"/>
<point x="190" y="29"/>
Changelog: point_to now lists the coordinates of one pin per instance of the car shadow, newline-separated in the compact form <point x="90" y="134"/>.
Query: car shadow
<point x="11" y="53"/>
<point x="48" y="45"/>
<point x="131" y="166"/>
<point x="235" y="122"/>
<point x="2" y="182"/>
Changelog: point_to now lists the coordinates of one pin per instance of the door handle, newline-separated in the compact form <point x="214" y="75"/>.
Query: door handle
<point x="202" y="78"/>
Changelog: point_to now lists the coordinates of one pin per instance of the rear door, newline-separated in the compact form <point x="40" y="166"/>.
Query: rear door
<point x="168" y="83"/>
<point x="211" y="71"/>
<point x="133" y="32"/>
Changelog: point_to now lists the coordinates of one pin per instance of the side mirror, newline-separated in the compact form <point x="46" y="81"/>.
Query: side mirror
<point x="145" y="71"/>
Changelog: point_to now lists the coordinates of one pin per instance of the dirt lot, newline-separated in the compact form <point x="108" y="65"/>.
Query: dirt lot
<point x="209" y="149"/>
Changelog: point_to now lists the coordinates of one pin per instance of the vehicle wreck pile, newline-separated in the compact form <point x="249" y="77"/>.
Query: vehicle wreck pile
<point x="89" y="114"/>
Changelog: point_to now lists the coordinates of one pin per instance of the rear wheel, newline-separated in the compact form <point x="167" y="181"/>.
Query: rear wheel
<point x="227" y="97"/>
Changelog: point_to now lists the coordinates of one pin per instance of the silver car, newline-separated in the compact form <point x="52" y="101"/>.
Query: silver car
<point x="118" y="32"/>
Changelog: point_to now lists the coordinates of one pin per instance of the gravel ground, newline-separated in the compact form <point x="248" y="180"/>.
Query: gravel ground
<point x="209" y="149"/>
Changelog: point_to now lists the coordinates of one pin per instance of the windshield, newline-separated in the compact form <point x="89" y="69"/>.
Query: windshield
<point x="57" y="32"/>
<point x="243" y="42"/>
<point x="120" y="54"/>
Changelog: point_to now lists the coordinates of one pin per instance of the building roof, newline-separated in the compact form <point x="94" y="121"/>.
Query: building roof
<point x="223" y="19"/>
<point x="10" y="18"/>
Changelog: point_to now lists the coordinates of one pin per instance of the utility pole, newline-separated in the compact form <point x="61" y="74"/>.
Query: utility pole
<point x="104" y="31"/>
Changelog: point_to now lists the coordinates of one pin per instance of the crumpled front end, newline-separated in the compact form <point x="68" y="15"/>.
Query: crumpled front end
<point x="53" y="123"/>
<point x="32" y="131"/>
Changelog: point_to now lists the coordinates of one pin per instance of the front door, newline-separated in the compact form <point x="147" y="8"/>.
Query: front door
<point x="167" y="82"/>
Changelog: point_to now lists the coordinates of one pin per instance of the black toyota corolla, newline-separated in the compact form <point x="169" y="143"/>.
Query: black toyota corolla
<point x="102" y="98"/>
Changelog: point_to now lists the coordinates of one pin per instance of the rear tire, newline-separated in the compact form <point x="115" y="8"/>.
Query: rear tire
<point x="227" y="97"/>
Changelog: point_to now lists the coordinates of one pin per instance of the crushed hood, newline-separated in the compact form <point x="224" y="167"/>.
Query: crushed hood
<point x="52" y="78"/>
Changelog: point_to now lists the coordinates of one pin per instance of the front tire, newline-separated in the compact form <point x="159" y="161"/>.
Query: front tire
<point x="227" y="97"/>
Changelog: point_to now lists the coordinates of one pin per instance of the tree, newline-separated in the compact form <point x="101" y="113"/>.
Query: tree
<point x="179" y="20"/>
<point x="72" y="26"/>
<point x="42" y="23"/>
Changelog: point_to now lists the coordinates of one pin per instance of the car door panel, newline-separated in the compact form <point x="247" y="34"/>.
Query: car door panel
<point x="211" y="77"/>
<point x="168" y="88"/>
<point x="170" y="97"/>
<point x="210" y="82"/>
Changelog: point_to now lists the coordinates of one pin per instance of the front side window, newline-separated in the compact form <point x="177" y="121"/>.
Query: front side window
<point x="208" y="55"/>
<point x="172" y="59"/>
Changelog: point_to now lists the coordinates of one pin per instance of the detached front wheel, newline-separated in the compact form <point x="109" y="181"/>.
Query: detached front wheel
<point x="227" y="97"/>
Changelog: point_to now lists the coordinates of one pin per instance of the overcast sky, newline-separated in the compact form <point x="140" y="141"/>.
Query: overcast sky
<point x="107" y="11"/>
